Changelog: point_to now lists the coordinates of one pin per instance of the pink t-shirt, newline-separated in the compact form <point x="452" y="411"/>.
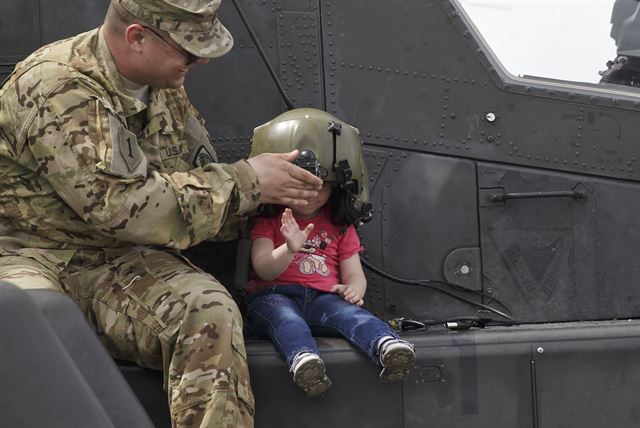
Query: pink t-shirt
<point x="317" y="264"/>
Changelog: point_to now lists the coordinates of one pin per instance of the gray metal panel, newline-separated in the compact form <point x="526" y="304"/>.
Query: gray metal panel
<point x="29" y="24"/>
<point x="18" y="40"/>
<point x="235" y="92"/>
<point x="411" y="77"/>
<point x="411" y="193"/>
<point x="556" y="259"/>
<point x="488" y="378"/>
<point x="300" y="57"/>
<point x="147" y="385"/>
<point x="588" y="382"/>
<point x="26" y="25"/>
<point x="554" y="375"/>
<point x="371" y="234"/>
<point x="66" y="18"/>
<point x="470" y="380"/>
<point x="357" y="398"/>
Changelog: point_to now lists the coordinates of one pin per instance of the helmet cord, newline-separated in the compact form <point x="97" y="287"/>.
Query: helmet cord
<point x="434" y="284"/>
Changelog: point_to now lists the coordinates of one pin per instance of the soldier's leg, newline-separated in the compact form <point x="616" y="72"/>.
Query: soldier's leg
<point x="26" y="273"/>
<point x="155" y="309"/>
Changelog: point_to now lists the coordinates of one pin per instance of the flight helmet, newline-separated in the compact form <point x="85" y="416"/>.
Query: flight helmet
<point x="330" y="149"/>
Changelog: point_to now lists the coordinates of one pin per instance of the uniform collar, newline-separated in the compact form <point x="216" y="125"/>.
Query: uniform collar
<point x="162" y="113"/>
<point x="112" y="81"/>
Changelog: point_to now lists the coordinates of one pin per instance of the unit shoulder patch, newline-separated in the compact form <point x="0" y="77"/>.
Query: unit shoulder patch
<point x="127" y="158"/>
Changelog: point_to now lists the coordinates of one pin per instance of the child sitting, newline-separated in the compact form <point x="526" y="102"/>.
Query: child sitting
<point x="309" y="274"/>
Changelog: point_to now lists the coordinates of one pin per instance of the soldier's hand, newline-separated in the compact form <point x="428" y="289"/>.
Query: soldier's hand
<point x="282" y="182"/>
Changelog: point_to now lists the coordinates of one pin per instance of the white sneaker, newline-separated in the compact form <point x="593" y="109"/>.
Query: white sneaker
<point x="396" y="357"/>
<point x="309" y="373"/>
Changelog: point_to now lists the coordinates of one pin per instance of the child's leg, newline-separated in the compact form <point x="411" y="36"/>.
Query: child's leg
<point x="357" y="325"/>
<point x="279" y="317"/>
<point x="365" y="331"/>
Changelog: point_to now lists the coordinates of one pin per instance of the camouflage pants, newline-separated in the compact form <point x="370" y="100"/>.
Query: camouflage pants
<point x="155" y="309"/>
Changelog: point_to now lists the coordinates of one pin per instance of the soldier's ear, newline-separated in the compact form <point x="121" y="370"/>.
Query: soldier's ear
<point x="135" y="37"/>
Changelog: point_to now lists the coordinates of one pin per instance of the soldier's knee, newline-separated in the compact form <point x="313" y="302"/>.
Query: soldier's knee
<point x="214" y="305"/>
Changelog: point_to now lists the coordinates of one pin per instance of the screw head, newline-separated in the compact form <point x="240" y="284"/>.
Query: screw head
<point x="540" y="350"/>
<point x="491" y="117"/>
<point x="464" y="270"/>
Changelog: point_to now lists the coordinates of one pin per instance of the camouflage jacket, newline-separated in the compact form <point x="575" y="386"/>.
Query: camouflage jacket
<point x="83" y="164"/>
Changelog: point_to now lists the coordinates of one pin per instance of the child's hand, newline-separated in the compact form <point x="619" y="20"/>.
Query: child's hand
<point x="292" y="233"/>
<point x="349" y="294"/>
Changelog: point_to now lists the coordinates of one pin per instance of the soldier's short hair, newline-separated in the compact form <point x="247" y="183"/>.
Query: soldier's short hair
<point x="118" y="18"/>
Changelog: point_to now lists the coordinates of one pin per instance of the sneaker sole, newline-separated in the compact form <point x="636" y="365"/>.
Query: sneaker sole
<point x="396" y="364"/>
<point x="312" y="378"/>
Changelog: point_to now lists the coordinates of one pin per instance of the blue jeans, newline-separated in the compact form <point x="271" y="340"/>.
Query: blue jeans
<point x="285" y="314"/>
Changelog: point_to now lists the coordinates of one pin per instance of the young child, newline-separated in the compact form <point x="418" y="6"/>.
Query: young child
<point x="309" y="274"/>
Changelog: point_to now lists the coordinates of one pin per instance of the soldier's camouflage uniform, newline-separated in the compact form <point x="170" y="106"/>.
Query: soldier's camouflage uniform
<point x="98" y="193"/>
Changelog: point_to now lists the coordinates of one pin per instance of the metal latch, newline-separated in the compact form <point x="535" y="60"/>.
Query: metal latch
<point x="499" y="195"/>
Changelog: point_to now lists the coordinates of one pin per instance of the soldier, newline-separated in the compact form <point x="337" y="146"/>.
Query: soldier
<point x="107" y="171"/>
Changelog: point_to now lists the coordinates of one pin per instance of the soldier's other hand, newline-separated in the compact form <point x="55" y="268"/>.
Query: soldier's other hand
<point x="282" y="182"/>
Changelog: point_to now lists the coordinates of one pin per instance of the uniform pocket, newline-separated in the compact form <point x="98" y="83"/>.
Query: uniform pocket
<point x="152" y="301"/>
<point x="137" y="313"/>
<point x="246" y="401"/>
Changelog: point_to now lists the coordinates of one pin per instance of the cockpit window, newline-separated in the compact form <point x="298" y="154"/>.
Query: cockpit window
<point x="593" y="41"/>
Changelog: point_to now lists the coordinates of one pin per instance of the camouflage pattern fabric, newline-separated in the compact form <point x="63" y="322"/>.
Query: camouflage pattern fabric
<point x="75" y="146"/>
<point x="193" y="24"/>
<point x="27" y="274"/>
<point x="88" y="171"/>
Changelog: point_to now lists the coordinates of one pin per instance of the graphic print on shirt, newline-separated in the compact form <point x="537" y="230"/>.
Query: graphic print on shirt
<point x="310" y="263"/>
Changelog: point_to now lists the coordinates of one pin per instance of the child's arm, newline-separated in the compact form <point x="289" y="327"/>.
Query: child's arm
<point x="354" y="282"/>
<point x="269" y="262"/>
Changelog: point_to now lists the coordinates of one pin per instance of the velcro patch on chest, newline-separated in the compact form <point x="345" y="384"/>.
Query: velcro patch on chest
<point x="203" y="157"/>
<point x="173" y="151"/>
<point x="201" y="151"/>
<point x="127" y="158"/>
